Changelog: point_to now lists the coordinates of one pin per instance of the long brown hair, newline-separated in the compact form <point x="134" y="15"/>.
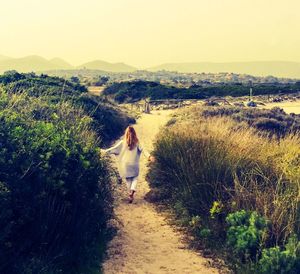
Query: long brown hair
<point x="131" y="138"/>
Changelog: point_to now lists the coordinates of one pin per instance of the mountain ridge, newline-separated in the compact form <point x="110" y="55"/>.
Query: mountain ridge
<point x="28" y="64"/>
<point x="36" y="63"/>
<point x="106" y="66"/>
<point x="60" y="62"/>
<point x="3" y="57"/>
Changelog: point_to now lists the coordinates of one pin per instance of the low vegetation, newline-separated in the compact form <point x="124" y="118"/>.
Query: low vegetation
<point x="235" y="187"/>
<point x="270" y="122"/>
<point x="137" y="90"/>
<point x="55" y="187"/>
<point x="108" y="119"/>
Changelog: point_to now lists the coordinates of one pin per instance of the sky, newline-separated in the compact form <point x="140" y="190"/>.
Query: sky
<point x="146" y="33"/>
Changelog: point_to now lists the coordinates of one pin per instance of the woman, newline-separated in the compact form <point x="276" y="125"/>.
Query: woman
<point x="129" y="152"/>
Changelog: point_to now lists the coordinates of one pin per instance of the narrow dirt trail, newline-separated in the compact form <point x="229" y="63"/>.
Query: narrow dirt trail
<point x="145" y="242"/>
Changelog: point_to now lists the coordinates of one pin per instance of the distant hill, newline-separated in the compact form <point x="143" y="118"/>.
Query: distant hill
<point x="39" y="64"/>
<point x="2" y="58"/>
<point x="102" y="65"/>
<point x="274" y="68"/>
<point x="60" y="63"/>
<point x="32" y="63"/>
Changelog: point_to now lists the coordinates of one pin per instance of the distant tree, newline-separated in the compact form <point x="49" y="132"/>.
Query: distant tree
<point x="75" y="79"/>
<point x="102" y="81"/>
<point x="10" y="72"/>
<point x="11" y="76"/>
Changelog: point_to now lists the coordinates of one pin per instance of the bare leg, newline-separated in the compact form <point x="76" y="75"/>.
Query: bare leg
<point x="129" y="185"/>
<point x="132" y="188"/>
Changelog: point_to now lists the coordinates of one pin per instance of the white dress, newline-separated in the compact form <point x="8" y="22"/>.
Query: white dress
<point x="128" y="160"/>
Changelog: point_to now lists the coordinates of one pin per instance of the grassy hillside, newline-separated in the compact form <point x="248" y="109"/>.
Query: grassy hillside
<point x="274" y="122"/>
<point x="137" y="90"/>
<point x="235" y="188"/>
<point x="108" y="120"/>
<point x="55" y="186"/>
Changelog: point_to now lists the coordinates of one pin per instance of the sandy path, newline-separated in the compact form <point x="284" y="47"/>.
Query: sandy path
<point x="145" y="243"/>
<point x="288" y="107"/>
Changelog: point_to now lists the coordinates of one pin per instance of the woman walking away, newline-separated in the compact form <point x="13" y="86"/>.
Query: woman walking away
<point x="129" y="152"/>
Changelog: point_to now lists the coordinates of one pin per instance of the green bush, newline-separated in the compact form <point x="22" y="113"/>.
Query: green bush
<point x="37" y="86"/>
<point x="205" y="233"/>
<point x="275" y="260"/>
<point x="287" y="261"/>
<point x="136" y="90"/>
<point x="55" y="191"/>
<point x="109" y="121"/>
<point x="246" y="232"/>
<point x="216" y="209"/>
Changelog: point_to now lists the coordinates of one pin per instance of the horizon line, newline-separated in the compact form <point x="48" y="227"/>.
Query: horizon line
<point x="145" y="67"/>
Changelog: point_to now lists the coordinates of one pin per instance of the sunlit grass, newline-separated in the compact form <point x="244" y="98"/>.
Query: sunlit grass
<point x="202" y="160"/>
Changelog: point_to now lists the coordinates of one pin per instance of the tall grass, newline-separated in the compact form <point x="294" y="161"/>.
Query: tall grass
<point x="203" y="160"/>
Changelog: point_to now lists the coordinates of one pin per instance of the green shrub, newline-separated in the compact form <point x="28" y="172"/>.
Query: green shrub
<point x="216" y="209"/>
<point x="37" y="86"/>
<point x="55" y="191"/>
<point x="271" y="125"/>
<point x="246" y="232"/>
<point x="136" y="90"/>
<point x="204" y="233"/>
<point x="182" y="213"/>
<point x="109" y="121"/>
<point x="275" y="260"/>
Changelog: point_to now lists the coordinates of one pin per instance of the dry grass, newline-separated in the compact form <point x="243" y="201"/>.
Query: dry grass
<point x="200" y="161"/>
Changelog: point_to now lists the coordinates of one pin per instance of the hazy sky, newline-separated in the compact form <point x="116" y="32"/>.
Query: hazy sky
<point x="149" y="32"/>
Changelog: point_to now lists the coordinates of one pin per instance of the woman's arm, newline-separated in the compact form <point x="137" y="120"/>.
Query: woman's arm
<point x="146" y="154"/>
<point x="115" y="149"/>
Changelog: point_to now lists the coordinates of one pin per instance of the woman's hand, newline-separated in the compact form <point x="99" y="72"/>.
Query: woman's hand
<point x="152" y="159"/>
<point x="103" y="151"/>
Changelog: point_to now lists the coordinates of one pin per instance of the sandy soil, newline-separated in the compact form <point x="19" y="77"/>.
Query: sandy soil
<point x="288" y="107"/>
<point x="95" y="90"/>
<point x="145" y="242"/>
